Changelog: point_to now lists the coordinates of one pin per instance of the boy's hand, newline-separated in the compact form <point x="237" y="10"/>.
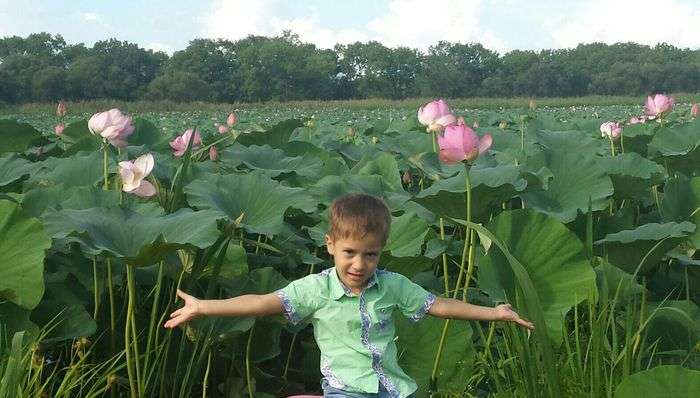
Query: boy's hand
<point x="189" y="311"/>
<point x="504" y="312"/>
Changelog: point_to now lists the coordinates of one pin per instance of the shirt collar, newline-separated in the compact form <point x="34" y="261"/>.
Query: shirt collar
<point x="338" y="288"/>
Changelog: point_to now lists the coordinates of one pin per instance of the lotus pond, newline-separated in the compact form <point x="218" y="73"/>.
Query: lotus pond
<point x="594" y="239"/>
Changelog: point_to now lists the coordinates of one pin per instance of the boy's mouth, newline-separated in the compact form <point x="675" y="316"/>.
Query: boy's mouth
<point x="354" y="275"/>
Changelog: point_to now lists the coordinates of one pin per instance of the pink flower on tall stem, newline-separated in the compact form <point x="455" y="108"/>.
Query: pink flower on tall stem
<point x="133" y="174"/>
<point x="436" y="116"/>
<point x="58" y="129"/>
<point x="231" y="120"/>
<point x="222" y="129"/>
<point x="213" y="153"/>
<point x="694" y="111"/>
<point x="179" y="144"/>
<point x="658" y="105"/>
<point x="113" y="126"/>
<point x="461" y="143"/>
<point x="61" y="109"/>
<point x="612" y="130"/>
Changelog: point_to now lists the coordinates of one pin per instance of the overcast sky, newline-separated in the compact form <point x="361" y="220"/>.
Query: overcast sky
<point x="500" y="25"/>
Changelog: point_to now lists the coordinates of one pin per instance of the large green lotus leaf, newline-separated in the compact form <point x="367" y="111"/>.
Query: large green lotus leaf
<point x="430" y="165"/>
<point x="14" y="318"/>
<point x="553" y="257"/>
<point x="677" y="140"/>
<point x="417" y="344"/>
<point x="632" y="175"/>
<point x="77" y="137"/>
<point x="674" y="324"/>
<point x="612" y="281"/>
<point x="148" y="134"/>
<point x="59" y="196"/>
<point x="407" y="266"/>
<point x="13" y="168"/>
<point x="490" y="187"/>
<point x="16" y="136"/>
<point x="272" y="161"/>
<point x="262" y="200"/>
<point x="660" y="382"/>
<point x="137" y="238"/>
<point x="63" y="312"/>
<point x="330" y="187"/>
<point x="568" y="142"/>
<point x="77" y="170"/>
<point x="576" y="179"/>
<point x="383" y="165"/>
<point x="682" y="203"/>
<point x="277" y="136"/>
<point x="406" y="235"/>
<point x="626" y="249"/>
<point x="23" y="243"/>
<point x="407" y="144"/>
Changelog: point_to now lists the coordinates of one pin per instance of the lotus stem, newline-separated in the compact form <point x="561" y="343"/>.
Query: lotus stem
<point x="95" y="286"/>
<point x="105" y="148"/>
<point x="153" y="325"/>
<point x="467" y="253"/>
<point x="622" y="143"/>
<point x="127" y="340"/>
<point x="247" y="362"/>
<point x="612" y="146"/>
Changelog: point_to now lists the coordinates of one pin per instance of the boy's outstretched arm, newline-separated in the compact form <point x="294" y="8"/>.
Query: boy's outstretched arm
<point x="245" y="305"/>
<point x="454" y="309"/>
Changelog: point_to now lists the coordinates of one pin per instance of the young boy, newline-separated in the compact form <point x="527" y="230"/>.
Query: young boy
<point x="351" y="305"/>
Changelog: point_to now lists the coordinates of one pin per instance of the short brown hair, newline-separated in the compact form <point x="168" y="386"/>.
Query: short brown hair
<point x="356" y="215"/>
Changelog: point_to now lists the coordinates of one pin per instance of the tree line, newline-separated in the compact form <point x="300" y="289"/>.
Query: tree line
<point x="43" y="67"/>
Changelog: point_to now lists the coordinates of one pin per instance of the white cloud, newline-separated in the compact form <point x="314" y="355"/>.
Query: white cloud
<point x="407" y="23"/>
<point x="94" y="18"/>
<point x="641" y="21"/>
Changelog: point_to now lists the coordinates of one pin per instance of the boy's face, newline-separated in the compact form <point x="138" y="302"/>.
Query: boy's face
<point x="355" y="259"/>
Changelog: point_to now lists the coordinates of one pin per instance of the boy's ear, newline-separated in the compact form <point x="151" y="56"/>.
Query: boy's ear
<point x="329" y="245"/>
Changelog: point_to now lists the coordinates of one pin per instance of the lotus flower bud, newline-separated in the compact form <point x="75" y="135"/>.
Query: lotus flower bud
<point x="179" y="144"/>
<point x="351" y="132"/>
<point x="406" y="177"/>
<point x="222" y="129"/>
<point x="612" y="130"/>
<point x="213" y="153"/>
<point x="231" y="120"/>
<point x="531" y="105"/>
<point x="475" y="124"/>
<point x="694" y="111"/>
<point x="658" y="106"/>
<point x="461" y="143"/>
<point x="435" y="116"/>
<point x="503" y="125"/>
<point x="61" y="109"/>
<point x="133" y="174"/>
<point x="375" y="140"/>
<point x="58" y="129"/>
<point x="112" y="126"/>
<point x="311" y="123"/>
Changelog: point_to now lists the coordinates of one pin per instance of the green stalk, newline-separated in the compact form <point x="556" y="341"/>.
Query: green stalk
<point x="112" y="313"/>
<point x="131" y="335"/>
<point x="433" y="136"/>
<point x="622" y="143"/>
<point x="154" y="323"/>
<point x="127" y="339"/>
<point x="466" y="251"/>
<point x="205" y="382"/>
<point x="612" y="146"/>
<point x="95" y="287"/>
<point x="105" y="149"/>
<point x="247" y="362"/>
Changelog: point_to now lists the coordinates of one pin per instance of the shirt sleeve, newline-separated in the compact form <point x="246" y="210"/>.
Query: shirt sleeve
<point x="413" y="301"/>
<point x="300" y="298"/>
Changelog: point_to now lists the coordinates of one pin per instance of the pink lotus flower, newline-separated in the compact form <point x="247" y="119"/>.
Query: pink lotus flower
<point x="133" y="174"/>
<point x="658" y="105"/>
<point x="179" y="144"/>
<point x="611" y="130"/>
<point x="231" y="120"/>
<point x="460" y="143"/>
<point x="213" y="153"/>
<point x="694" y="110"/>
<point x="61" y="109"/>
<point x="112" y="125"/>
<point x="222" y="129"/>
<point x="637" y="119"/>
<point x="58" y="129"/>
<point x="435" y="116"/>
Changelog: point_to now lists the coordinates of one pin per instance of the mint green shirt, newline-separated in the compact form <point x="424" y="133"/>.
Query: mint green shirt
<point x="356" y="333"/>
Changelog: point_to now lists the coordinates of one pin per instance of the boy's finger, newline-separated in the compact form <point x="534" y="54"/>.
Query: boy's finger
<point x="182" y="294"/>
<point x="176" y="313"/>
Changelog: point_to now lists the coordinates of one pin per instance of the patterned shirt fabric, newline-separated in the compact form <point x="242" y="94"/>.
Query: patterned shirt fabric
<point x="356" y="333"/>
